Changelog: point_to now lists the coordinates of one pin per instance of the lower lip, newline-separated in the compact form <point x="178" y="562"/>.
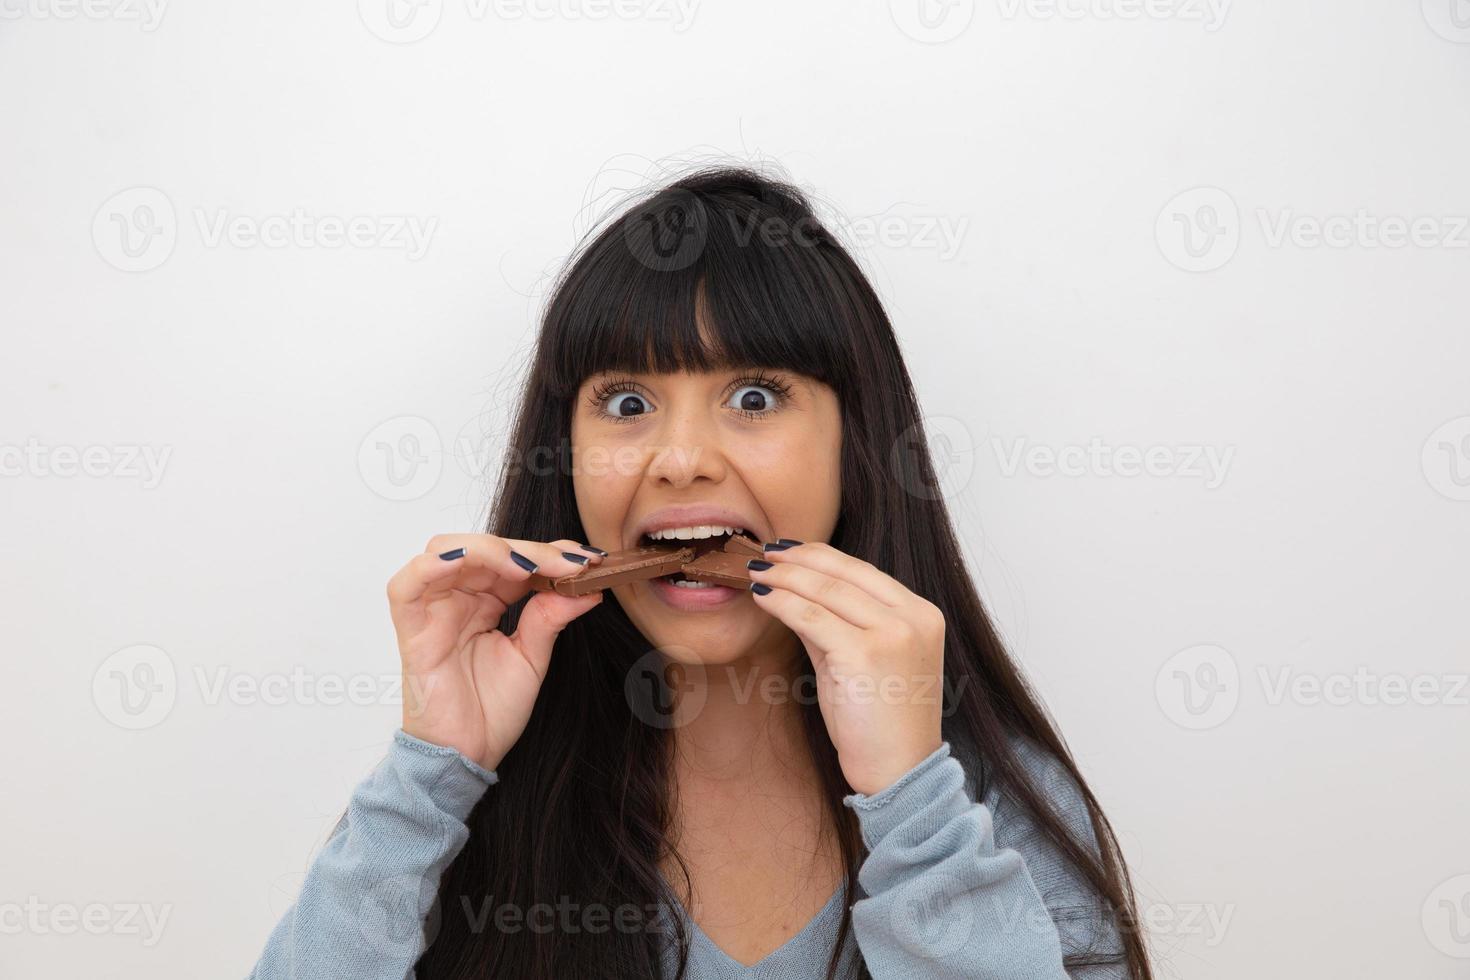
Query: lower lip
<point x="692" y="600"/>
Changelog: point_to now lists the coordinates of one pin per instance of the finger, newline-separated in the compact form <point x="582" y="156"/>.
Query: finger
<point x="824" y="558"/>
<point x="501" y="566"/>
<point x="838" y="596"/>
<point x="819" y="629"/>
<point x="543" y="619"/>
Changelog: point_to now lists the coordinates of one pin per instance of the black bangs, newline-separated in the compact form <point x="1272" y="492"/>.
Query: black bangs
<point x="689" y="282"/>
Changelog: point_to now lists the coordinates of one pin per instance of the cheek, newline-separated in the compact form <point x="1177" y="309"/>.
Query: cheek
<point x="604" y="479"/>
<point x="797" y="479"/>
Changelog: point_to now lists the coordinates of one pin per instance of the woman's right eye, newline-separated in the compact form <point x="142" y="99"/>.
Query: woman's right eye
<point x="626" y="404"/>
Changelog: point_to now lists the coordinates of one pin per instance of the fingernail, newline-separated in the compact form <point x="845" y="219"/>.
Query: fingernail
<point x="788" y="542"/>
<point x="760" y="588"/>
<point x="579" y="559"/>
<point x="452" y="555"/>
<point x="595" y="551"/>
<point x="774" y="546"/>
<point x="522" y="561"/>
<point x="757" y="565"/>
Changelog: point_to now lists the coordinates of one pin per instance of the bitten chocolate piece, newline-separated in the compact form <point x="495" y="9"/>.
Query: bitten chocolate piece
<point x="721" y="568"/>
<point x="618" y="568"/>
<point x="739" y="544"/>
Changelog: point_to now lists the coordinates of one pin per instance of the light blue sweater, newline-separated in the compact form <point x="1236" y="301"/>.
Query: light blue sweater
<point x="951" y="889"/>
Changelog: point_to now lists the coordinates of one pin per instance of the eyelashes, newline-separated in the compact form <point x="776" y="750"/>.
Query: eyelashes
<point x="604" y="390"/>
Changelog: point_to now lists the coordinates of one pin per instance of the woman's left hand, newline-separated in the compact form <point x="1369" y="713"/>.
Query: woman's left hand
<point x="878" y="652"/>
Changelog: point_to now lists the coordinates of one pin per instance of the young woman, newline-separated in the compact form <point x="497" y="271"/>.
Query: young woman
<point x="837" y="772"/>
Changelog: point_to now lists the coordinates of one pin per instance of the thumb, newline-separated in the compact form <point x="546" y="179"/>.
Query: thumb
<point x="543" y="619"/>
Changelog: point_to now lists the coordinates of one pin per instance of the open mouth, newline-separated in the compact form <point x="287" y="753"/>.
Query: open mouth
<point x="703" y="541"/>
<point x="715" y="540"/>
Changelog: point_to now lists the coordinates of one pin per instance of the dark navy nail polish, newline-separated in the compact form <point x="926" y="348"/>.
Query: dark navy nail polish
<point x="760" y="588"/>
<point x="788" y="542"/>
<point x="452" y="555"/>
<point x="758" y="565"/>
<point x="523" y="561"/>
<point x="595" y="551"/>
<point x="774" y="546"/>
<point x="579" y="559"/>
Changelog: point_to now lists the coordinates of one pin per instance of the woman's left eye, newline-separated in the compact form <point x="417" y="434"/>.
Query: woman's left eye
<point x="754" y="399"/>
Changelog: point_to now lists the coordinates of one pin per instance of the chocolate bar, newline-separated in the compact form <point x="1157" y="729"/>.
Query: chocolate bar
<point x="721" y="568"/>
<point x="739" y="544"/>
<point x="618" y="568"/>
<point x="698" y="562"/>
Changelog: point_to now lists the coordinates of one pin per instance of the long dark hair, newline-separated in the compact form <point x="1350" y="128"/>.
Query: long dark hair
<point x="580" y="815"/>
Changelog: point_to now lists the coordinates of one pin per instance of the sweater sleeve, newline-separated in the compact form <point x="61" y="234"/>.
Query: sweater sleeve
<point x="951" y="893"/>
<point x="362" y="907"/>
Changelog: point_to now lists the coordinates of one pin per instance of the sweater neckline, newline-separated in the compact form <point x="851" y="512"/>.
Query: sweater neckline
<point x="815" y="935"/>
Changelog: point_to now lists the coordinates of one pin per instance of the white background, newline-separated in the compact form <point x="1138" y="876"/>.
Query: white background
<point x="1273" y="833"/>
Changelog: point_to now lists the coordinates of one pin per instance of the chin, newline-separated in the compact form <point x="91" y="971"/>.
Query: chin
<point x="722" y="635"/>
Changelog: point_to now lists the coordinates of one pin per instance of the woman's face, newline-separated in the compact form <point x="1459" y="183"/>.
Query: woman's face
<point x="743" y="448"/>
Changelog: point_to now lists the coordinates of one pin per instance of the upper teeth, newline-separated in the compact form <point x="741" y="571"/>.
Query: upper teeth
<point x="696" y="531"/>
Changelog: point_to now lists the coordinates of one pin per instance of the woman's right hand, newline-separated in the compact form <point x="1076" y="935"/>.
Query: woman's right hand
<point x="467" y="685"/>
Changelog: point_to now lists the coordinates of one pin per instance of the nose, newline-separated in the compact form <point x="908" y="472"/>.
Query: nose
<point x="688" y="450"/>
